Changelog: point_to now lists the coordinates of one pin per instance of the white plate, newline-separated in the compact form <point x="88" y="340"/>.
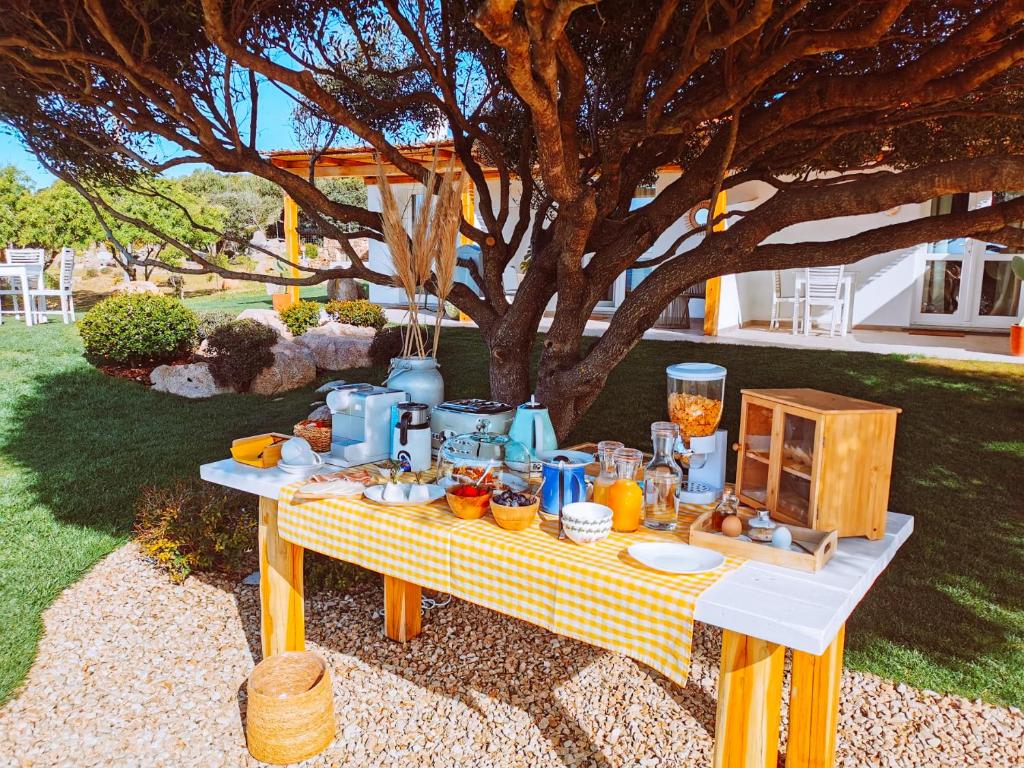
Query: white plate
<point x="375" y="494"/>
<point x="676" y="558"/>
<point x="298" y="469"/>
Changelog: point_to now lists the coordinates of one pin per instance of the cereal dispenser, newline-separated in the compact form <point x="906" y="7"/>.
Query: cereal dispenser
<point x="696" y="392"/>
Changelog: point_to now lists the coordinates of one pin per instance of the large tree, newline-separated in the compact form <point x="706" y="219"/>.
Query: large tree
<point x="580" y="101"/>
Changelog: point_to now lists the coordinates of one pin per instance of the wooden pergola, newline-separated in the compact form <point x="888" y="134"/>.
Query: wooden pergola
<point x="360" y="162"/>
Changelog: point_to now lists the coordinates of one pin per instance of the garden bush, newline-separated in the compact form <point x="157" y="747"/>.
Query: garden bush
<point x="210" y="321"/>
<point x="195" y="527"/>
<point x="359" y="312"/>
<point x="302" y="316"/>
<point x="388" y="343"/>
<point x="240" y="349"/>
<point x="139" y="328"/>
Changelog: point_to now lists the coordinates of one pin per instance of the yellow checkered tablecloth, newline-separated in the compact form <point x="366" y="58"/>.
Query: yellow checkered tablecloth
<point x="595" y="593"/>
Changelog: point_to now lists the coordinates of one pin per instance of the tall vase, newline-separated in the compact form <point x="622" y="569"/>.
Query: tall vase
<point x="418" y="377"/>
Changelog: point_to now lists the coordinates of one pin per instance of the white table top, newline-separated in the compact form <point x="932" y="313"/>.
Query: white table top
<point x="799" y="610"/>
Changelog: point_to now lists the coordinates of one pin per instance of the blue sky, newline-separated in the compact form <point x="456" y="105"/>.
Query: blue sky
<point x="275" y="132"/>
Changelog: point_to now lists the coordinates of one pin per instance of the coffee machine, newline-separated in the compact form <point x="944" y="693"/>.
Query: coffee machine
<point x="361" y="423"/>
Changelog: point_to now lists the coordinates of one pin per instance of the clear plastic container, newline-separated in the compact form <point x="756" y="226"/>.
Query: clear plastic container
<point x="695" y="395"/>
<point x="662" y="477"/>
<point x="502" y="462"/>
<point x="605" y="480"/>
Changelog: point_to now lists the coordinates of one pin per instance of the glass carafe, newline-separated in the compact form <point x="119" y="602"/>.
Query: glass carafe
<point x="605" y="480"/>
<point x="624" y="496"/>
<point x="661" y="479"/>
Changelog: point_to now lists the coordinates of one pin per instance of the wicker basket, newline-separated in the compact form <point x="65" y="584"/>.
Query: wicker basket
<point x="290" y="714"/>
<point x="318" y="437"/>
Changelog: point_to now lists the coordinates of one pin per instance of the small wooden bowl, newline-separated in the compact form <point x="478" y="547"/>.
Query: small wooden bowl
<point x="468" y="507"/>
<point x="515" y="518"/>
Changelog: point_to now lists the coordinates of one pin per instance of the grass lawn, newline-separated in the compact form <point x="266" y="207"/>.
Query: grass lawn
<point x="948" y="615"/>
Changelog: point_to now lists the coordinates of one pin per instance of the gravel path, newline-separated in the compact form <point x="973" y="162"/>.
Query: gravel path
<point x="134" y="671"/>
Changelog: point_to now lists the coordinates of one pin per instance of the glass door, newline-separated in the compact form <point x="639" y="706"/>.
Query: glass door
<point x="940" y="288"/>
<point x="755" y="455"/>
<point x="995" y="290"/>
<point x="794" y="502"/>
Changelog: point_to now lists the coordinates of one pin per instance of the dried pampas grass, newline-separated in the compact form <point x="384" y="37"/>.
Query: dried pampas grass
<point x="426" y="258"/>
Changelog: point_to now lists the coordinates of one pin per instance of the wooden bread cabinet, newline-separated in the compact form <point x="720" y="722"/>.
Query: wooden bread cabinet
<point x="815" y="459"/>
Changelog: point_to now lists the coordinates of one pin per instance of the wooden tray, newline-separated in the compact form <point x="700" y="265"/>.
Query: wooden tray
<point x="822" y="544"/>
<point x="263" y="451"/>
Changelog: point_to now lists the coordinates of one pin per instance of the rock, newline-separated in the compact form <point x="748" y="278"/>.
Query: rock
<point x="137" y="286"/>
<point x="267" y="317"/>
<point x="294" y="366"/>
<point x="342" y="289"/>
<point x="191" y="380"/>
<point x="333" y="328"/>
<point x="337" y="353"/>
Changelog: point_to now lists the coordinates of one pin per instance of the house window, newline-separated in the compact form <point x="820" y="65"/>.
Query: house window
<point x="944" y="206"/>
<point x="698" y="215"/>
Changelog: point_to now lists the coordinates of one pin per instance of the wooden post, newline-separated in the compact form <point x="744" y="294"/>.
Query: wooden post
<point x="713" y="287"/>
<point x="282" y="623"/>
<point x="402" y="613"/>
<point x="749" y="699"/>
<point x="469" y="214"/>
<point x="291" y="242"/>
<point x="814" y="706"/>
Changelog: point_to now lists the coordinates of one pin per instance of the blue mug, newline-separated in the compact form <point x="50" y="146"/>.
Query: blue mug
<point x="564" y="479"/>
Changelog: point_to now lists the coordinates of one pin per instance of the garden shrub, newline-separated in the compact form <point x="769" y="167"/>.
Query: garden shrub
<point x="210" y="321"/>
<point x="240" y="349"/>
<point x="135" y="328"/>
<point x="194" y="527"/>
<point x="388" y="343"/>
<point x="302" y="316"/>
<point x="359" y="312"/>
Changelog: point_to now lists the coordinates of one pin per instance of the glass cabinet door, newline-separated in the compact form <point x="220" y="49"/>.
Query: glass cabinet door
<point x="794" y="488"/>
<point x="755" y="453"/>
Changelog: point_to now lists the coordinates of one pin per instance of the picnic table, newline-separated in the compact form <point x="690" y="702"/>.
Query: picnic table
<point x="762" y="610"/>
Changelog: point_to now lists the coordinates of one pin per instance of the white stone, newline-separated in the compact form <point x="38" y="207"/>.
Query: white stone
<point x="294" y="366"/>
<point x="334" y="328"/>
<point x="137" y="286"/>
<point x="267" y="317"/>
<point x="192" y="380"/>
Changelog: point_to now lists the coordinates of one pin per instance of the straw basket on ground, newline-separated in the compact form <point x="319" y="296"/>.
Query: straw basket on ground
<point x="290" y="715"/>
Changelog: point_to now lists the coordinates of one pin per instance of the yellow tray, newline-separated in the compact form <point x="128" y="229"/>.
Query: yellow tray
<point x="259" y="450"/>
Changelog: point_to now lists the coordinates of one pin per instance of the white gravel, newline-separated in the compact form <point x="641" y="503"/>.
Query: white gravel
<point x="134" y="671"/>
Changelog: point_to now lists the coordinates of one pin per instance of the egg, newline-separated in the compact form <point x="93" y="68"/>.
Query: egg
<point x="732" y="526"/>
<point x="782" y="537"/>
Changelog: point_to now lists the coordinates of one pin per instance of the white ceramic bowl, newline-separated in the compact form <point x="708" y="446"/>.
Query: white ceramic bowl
<point x="586" y="522"/>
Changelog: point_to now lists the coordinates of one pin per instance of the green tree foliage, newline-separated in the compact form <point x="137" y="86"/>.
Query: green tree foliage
<point x="248" y="202"/>
<point x="56" y="217"/>
<point x="13" y="187"/>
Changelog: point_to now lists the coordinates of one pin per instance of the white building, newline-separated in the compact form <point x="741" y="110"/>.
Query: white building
<point x="953" y="284"/>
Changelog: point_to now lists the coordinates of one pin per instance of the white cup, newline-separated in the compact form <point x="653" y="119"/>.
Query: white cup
<point x="394" y="492"/>
<point x="298" y="451"/>
<point x="419" y="492"/>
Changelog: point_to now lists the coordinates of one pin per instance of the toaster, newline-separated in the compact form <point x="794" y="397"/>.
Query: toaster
<point x="457" y="417"/>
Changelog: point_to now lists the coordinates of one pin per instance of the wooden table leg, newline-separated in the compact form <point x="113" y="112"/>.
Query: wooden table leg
<point x="402" y="612"/>
<point x="749" y="699"/>
<point x="814" y="707"/>
<point x="282" y="622"/>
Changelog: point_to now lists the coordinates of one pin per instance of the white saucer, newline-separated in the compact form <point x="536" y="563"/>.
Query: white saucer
<point x="298" y="469"/>
<point x="675" y="558"/>
<point x="375" y="494"/>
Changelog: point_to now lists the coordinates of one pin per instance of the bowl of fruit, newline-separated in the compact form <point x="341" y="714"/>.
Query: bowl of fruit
<point x="514" y="510"/>
<point x="469" y="500"/>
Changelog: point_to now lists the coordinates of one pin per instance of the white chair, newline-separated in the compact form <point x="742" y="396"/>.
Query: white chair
<point x="30" y="257"/>
<point x="779" y="298"/>
<point x="823" y="287"/>
<point x="63" y="292"/>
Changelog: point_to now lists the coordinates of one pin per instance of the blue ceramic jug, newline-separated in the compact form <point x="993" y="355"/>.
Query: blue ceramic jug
<point x="564" y="479"/>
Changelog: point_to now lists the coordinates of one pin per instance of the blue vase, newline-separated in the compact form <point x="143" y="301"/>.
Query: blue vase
<point x="418" y="377"/>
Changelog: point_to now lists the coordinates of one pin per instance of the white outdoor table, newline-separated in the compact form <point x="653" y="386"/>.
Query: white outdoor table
<point x="23" y="272"/>
<point x="798" y="288"/>
<point x="763" y="610"/>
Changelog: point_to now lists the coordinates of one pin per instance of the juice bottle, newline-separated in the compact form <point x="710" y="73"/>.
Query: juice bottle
<point x="606" y="479"/>
<point x="624" y="496"/>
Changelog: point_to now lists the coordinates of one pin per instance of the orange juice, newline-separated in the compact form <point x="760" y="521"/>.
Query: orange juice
<point x="627" y="503"/>
<point x="601" y="488"/>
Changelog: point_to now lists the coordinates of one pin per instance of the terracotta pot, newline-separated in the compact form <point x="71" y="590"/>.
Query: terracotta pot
<point x="1017" y="340"/>
<point x="281" y="301"/>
